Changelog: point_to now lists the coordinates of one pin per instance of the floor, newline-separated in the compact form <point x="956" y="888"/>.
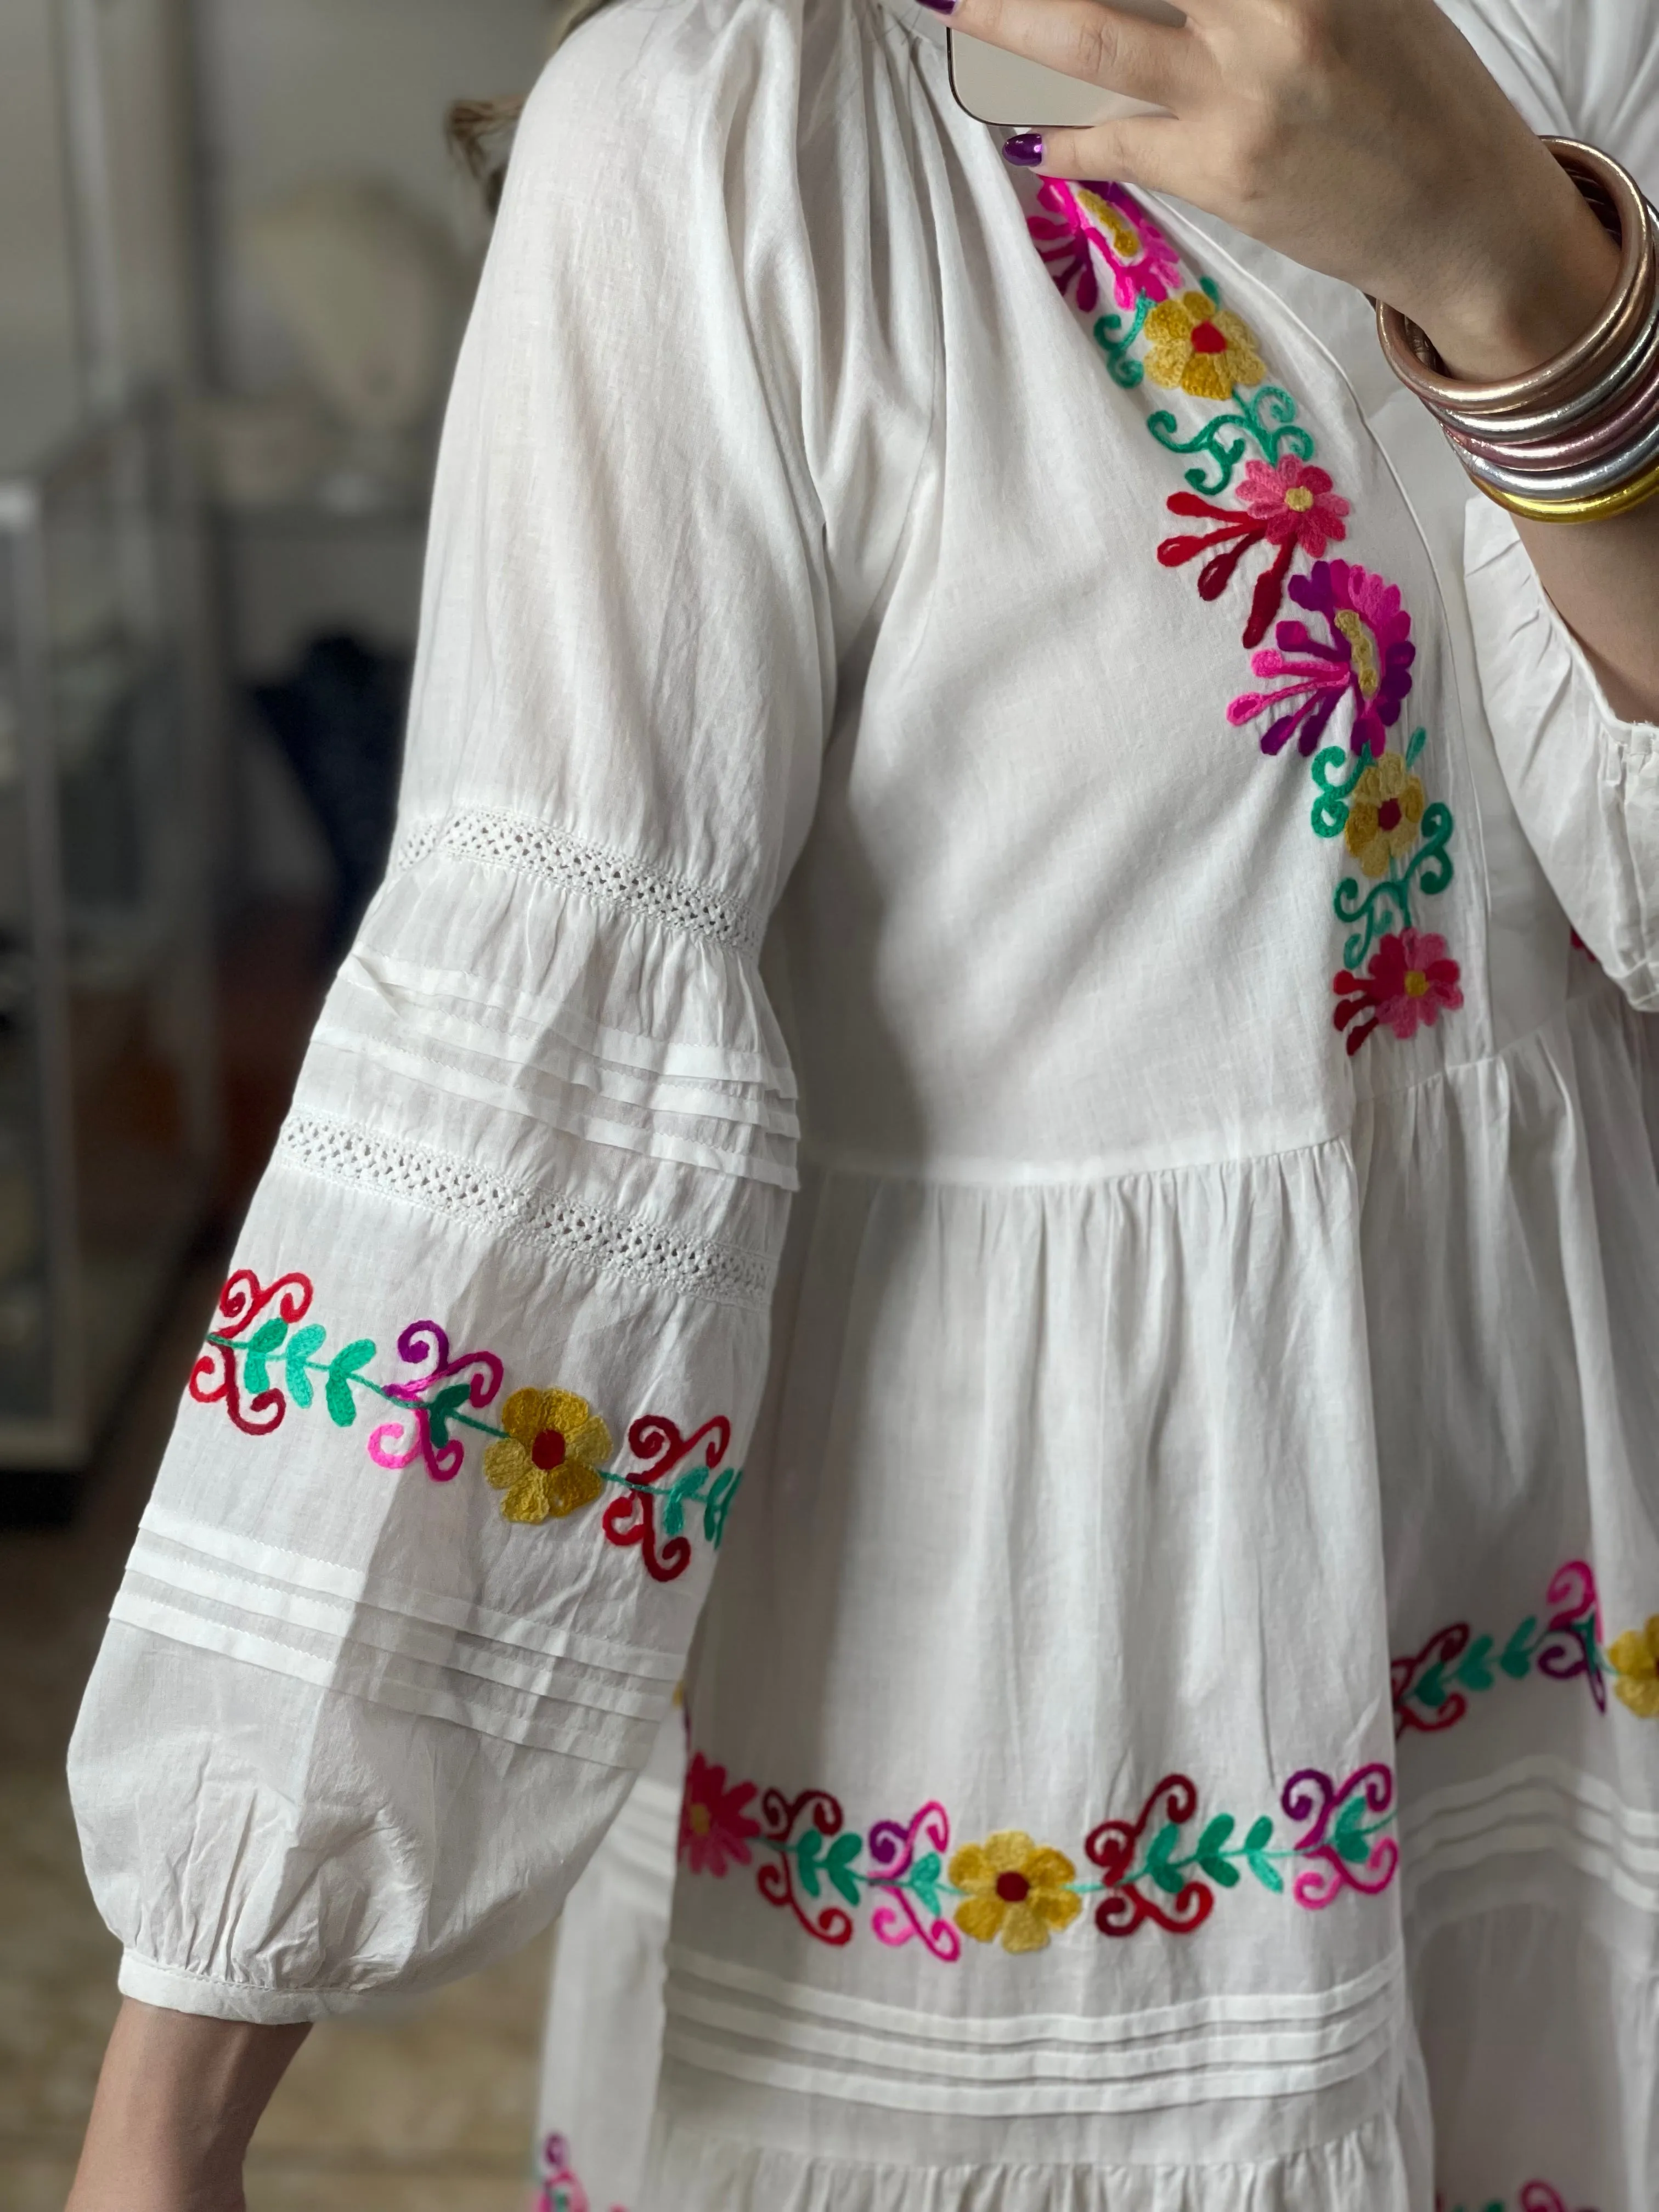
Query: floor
<point x="427" y="2109"/>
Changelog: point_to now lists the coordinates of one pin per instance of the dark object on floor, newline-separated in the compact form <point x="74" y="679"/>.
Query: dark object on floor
<point x="339" y="720"/>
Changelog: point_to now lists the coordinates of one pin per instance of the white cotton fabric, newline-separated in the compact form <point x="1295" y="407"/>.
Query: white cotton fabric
<point x="843" y="975"/>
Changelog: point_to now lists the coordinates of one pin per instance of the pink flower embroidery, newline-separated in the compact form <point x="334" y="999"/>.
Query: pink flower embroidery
<point x="1367" y="658"/>
<point x="714" y="1828"/>
<point x="1290" y="505"/>
<point x="1408" y="980"/>
<point x="1102" y="219"/>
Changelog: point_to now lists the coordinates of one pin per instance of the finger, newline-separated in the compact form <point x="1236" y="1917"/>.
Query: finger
<point x="1081" y="38"/>
<point x="1138" y="149"/>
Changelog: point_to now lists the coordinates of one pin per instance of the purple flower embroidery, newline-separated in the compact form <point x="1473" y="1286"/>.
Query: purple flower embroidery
<point x="1102" y="219"/>
<point x="1367" y="658"/>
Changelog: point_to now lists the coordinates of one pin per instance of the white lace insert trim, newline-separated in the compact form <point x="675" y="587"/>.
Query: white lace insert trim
<point x="621" y="1244"/>
<point x="531" y="847"/>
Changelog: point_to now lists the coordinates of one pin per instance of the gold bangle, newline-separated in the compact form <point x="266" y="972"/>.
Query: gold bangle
<point x="1619" y="500"/>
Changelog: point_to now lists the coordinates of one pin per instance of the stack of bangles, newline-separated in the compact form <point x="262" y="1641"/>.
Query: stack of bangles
<point x="1577" y="439"/>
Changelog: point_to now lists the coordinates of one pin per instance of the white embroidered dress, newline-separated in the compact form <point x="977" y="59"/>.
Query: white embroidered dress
<point x="1173" y="1730"/>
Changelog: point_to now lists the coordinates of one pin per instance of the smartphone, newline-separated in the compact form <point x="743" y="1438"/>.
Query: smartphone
<point x="1014" y="93"/>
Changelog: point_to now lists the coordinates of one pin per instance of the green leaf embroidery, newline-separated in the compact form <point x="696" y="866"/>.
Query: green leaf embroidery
<point x="1473" y="1669"/>
<point x="686" y="1490"/>
<point x="1348" y="1837"/>
<point x="809" y="1849"/>
<point x="1430" y="1688"/>
<point x="1265" y="1872"/>
<point x="346" y="1363"/>
<point x="441" y="1408"/>
<point x="924" y="1880"/>
<point x="301" y="1345"/>
<point x="1157" y="1860"/>
<point x="724" y="1491"/>
<point x="839" y="1865"/>
<point x="1515" y="1657"/>
<point x="1211" y="1846"/>
<point x="1414" y="745"/>
<point x="256" y="1371"/>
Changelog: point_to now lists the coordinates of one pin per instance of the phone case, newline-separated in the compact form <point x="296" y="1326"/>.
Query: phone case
<point x="1013" y="93"/>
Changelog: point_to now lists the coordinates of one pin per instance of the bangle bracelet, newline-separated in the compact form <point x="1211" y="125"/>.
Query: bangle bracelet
<point x="1628" y="420"/>
<point x="1566" y="483"/>
<point x="1576" y="440"/>
<point x="1560" y="414"/>
<point x="1601" y="509"/>
<point x="1636" y="254"/>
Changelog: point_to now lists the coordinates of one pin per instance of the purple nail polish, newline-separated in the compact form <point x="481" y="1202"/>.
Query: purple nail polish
<point x="1023" y="150"/>
<point x="941" y="7"/>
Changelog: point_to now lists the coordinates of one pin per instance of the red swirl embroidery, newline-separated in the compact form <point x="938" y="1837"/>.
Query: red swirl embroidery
<point x="1114" y="1846"/>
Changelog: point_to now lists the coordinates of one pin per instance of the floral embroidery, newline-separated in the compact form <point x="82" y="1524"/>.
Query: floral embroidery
<point x="545" y="1453"/>
<point x="1012" y="1891"/>
<point x="1101" y="219"/>
<point x="1196" y="346"/>
<point x="1017" y="1890"/>
<point x="1367" y="658"/>
<point x="1287" y="504"/>
<point x="1357" y="654"/>
<point x="715" y="1829"/>
<point x="548" y="1462"/>
<point x="1432" y="1686"/>
<point x="1409" y="982"/>
<point x="1634" y="1659"/>
<point x="1384" y="815"/>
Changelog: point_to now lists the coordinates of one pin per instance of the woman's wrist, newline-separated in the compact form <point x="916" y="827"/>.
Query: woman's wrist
<point x="1521" y="290"/>
<point x="178" y="2099"/>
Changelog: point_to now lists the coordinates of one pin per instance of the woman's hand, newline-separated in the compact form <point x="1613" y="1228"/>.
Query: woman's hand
<point x="1361" y="137"/>
<point x="178" y="2099"/>
<point x="1365" y="139"/>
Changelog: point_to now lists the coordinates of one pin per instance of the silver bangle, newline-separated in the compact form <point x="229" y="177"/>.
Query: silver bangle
<point x="1565" y="484"/>
<point x="1543" y="422"/>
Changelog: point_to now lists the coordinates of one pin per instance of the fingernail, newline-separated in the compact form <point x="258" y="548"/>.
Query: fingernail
<point x="1023" y="150"/>
<point x="941" y="7"/>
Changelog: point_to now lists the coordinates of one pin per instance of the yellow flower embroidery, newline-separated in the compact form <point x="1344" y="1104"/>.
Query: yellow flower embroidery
<point x="1634" y="1657"/>
<point x="1199" y="347"/>
<point x="1017" y="1890"/>
<point x="549" y="1460"/>
<point x="1384" y="814"/>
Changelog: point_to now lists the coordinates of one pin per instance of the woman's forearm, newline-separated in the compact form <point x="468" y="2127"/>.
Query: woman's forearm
<point x="178" y="2099"/>
<point x="1602" y="576"/>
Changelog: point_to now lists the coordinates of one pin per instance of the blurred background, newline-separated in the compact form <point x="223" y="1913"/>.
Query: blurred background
<point x="235" y="257"/>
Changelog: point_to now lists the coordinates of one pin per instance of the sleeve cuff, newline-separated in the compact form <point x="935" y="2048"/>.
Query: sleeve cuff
<point x="174" y="1989"/>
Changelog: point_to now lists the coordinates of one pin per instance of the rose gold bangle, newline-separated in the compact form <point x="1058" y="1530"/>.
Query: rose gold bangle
<point x="1576" y="440"/>
<point x="1626" y="308"/>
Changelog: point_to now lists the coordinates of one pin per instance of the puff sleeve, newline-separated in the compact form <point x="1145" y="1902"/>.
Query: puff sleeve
<point x="455" y="1461"/>
<point x="1585" y="781"/>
